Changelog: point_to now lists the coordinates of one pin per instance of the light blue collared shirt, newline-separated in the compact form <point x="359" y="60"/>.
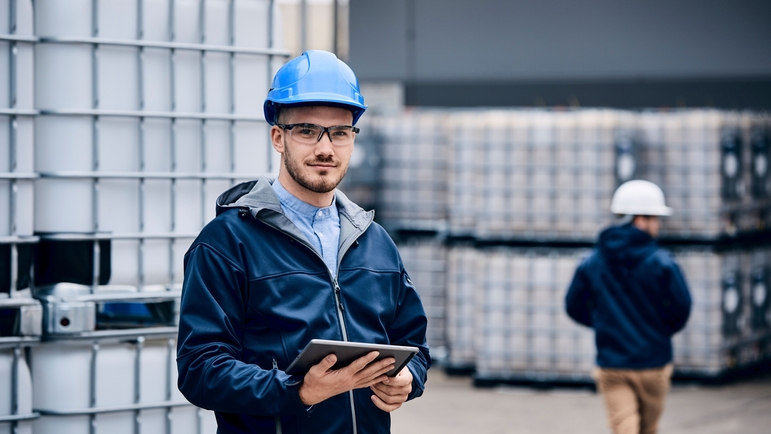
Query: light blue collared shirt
<point x="321" y="226"/>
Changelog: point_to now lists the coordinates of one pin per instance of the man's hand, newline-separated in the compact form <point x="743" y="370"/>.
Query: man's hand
<point x="322" y="382"/>
<point x="392" y="392"/>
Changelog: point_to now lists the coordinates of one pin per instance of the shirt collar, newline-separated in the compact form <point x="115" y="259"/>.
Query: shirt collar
<point x="299" y="207"/>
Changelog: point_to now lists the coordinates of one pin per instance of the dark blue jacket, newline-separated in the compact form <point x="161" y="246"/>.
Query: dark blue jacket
<point x="255" y="294"/>
<point x="633" y="295"/>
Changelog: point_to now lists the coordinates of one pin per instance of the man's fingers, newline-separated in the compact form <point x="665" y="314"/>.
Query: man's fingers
<point x="362" y="362"/>
<point x="379" y="403"/>
<point x="327" y="363"/>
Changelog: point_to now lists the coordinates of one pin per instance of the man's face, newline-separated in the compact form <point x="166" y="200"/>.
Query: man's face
<point x="317" y="167"/>
<point x="649" y="224"/>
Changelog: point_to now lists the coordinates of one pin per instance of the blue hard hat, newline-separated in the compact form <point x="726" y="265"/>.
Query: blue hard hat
<point x="314" y="78"/>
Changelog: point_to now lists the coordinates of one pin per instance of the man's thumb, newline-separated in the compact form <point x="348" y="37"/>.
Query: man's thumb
<point x="329" y="361"/>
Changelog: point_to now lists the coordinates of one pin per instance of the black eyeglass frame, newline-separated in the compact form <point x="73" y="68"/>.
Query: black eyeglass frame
<point x="328" y="130"/>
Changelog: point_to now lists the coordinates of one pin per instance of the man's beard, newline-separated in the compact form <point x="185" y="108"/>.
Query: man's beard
<point x="320" y="186"/>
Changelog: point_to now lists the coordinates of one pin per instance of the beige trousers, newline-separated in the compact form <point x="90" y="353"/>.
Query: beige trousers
<point x="634" y="398"/>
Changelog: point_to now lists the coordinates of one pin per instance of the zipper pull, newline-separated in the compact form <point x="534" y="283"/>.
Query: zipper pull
<point x="275" y="364"/>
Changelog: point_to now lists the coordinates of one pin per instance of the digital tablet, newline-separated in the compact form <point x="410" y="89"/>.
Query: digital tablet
<point x="346" y="353"/>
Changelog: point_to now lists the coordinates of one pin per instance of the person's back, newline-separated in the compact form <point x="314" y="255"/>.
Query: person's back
<point x="634" y="296"/>
<point x="637" y="301"/>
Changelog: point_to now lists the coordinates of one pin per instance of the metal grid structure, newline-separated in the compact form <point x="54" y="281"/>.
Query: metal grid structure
<point x="413" y="178"/>
<point x="126" y="384"/>
<point x="541" y="174"/>
<point x="426" y="262"/>
<point x="521" y="328"/>
<point x="20" y="314"/>
<point x="145" y="110"/>
<point x="164" y="114"/>
<point x="520" y="178"/>
<point x="506" y="313"/>
<point x="712" y="166"/>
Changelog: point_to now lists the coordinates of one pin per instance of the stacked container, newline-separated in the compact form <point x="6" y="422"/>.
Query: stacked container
<point x="526" y="193"/>
<point x="20" y="314"/>
<point x="143" y="112"/>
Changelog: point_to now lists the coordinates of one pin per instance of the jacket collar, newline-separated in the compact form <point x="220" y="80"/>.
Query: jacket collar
<point x="259" y="198"/>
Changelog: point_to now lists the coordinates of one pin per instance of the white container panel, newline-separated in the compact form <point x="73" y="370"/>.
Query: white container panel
<point x="71" y="86"/>
<point x="252" y="81"/>
<point x="24" y="74"/>
<point x="61" y="425"/>
<point x="156" y="257"/>
<point x="217" y="22"/>
<point x="186" y="21"/>
<point x="63" y="205"/>
<point x="124" y="262"/>
<point x="117" y="19"/>
<point x="114" y="423"/>
<point x="58" y="18"/>
<point x="217" y="83"/>
<point x="251" y="23"/>
<point x="117" y="77"/>
<point x="63" y="143"/>
<point x="187" y="142"/>
<point x="187" y="206"/>
<point x="62" y="376"/>
<point x="157" y="205"/>
<point x="23" y="394"/>
<point x="25" y="208"/>
<point x="114" y="374"/>
<point x="157" y="145"/>
<point x="17" y="220"/>
<point x="118" y="140"/>
<point x="118" y="205"/>
<point x="153" y="421"/>
<point x="253" y="149"/>
<point x="187" y="81"/>
<point x="217" y="152"/>
<point x="156" y="79"/>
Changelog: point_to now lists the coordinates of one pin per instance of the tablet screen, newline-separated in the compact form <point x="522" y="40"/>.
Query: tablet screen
<point x="346" y="353"/>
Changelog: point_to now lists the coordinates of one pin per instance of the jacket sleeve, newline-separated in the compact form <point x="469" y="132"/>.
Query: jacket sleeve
<point x="211" y="374"/>
<point x="676" y="302"/>
<point x="579" y="300"/>
<point x="409" y="328"/>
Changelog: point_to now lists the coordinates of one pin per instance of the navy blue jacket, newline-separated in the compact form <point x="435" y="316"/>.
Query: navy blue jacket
<point x="255" y="293"/>
<point x="634" y="296"/>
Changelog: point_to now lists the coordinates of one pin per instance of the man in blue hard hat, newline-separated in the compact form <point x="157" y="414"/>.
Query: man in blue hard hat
<point x="292" y="259"/>
<point x="634" y="296"/>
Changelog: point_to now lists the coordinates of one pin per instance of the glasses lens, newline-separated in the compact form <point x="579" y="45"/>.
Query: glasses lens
<point x="342" y="135"/>
<point x="309" y="133"/>
<point x="306" y="133"/>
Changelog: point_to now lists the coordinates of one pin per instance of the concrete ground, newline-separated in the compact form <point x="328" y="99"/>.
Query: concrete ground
<point x="453" y="405"/>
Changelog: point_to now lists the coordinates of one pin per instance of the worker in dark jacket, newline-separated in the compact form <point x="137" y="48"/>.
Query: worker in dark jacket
<point x="291" y="259"/>
<point x="634" y="296"/>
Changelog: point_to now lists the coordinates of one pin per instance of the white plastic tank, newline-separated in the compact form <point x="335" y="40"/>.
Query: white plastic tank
<point x="16" y="118"/>
<point x="155" y="109"/>
<point x="116" y="386"/>
<point x="15" y="391"/>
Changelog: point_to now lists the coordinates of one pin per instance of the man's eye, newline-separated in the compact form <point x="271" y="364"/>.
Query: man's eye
<point x="306" y="131"/>
<point x="341" y="133"/>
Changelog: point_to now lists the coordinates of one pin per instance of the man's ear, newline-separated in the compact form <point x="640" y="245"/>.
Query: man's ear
<point x="276" y="139"/>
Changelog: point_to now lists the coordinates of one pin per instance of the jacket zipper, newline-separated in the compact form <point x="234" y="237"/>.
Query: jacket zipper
<point x="279" y="429"/>
<point x="339" y="307"/>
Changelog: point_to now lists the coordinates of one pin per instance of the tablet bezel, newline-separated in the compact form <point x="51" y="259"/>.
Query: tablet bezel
<point x="347" y="352"/>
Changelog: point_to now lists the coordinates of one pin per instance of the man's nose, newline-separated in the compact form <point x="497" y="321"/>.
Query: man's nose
<point x="324" y="145"/>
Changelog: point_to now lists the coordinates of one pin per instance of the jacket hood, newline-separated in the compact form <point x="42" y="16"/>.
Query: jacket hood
<point x="626" y="245"/>
<point x="258" y="197"/>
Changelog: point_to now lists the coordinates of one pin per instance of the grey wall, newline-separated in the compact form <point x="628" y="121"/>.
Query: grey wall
<point x="427" y="43"/>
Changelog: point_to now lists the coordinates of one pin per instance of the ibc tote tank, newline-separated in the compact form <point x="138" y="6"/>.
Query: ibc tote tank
<point x="149" y="109"/>
<point x="155" y="108"/>
<point x="19" y="314"/>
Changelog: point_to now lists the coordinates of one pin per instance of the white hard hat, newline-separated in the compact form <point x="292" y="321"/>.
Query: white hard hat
<point x="639" y="197"/>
